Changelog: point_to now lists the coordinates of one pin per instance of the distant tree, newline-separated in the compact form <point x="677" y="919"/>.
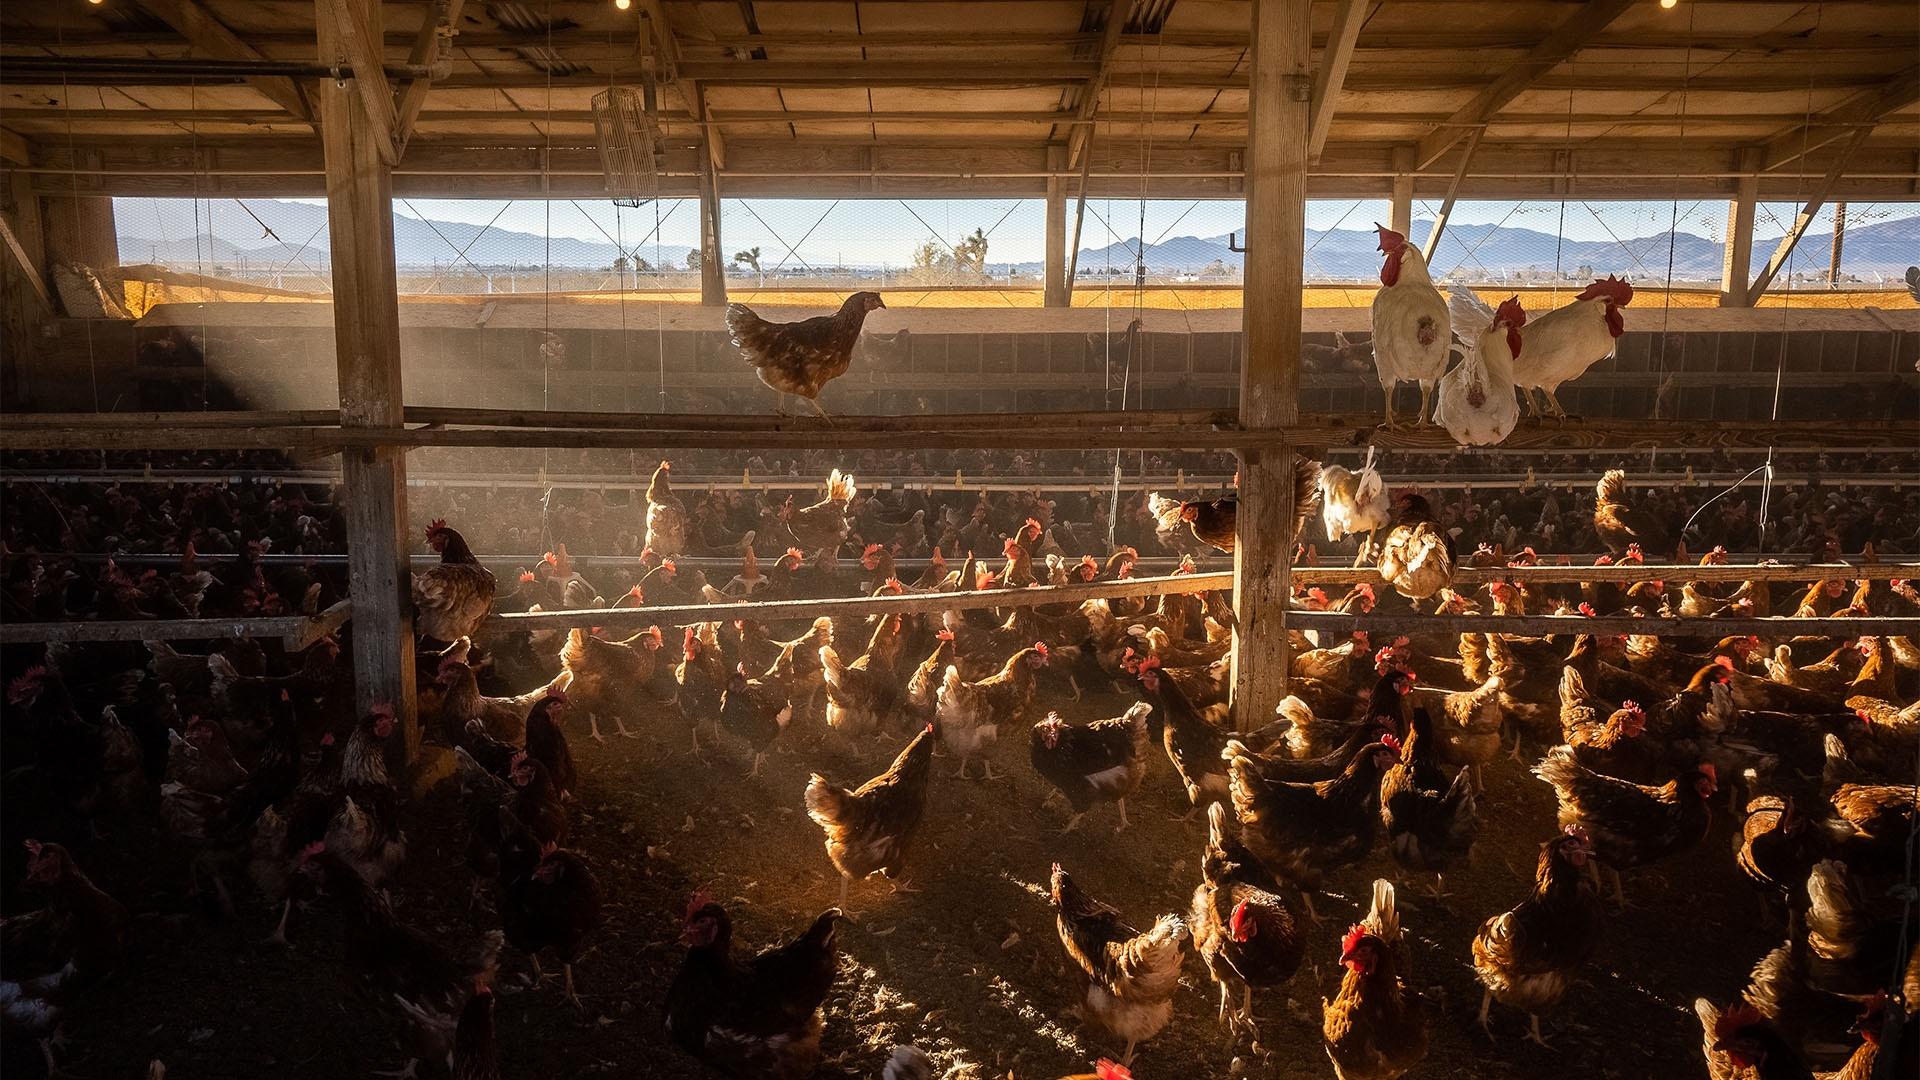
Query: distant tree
<point x="693" y="259"/>
<point x="621" y="265"/>
<point x="749" y="257"/>
<point x="971" y="253"/>
<point x="931" y="255"/>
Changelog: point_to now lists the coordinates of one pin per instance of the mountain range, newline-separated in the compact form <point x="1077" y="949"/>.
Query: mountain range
<point x="292" y="234"/>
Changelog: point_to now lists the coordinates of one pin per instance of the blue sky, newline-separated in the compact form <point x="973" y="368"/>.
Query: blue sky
<point x="824" y="232"/>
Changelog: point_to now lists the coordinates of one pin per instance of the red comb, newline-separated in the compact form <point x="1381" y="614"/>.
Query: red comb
<point x="1724" y="661"/>
<point x="1391" y="741"/>
<point x="1040" y="647"/>
<point x="871" y="548"/>
<point x="945" y="635"/>
<point x="697" y="901"/>
<point x="1735" y="1018"/>
<point x="526" y="576"/>
<point x="33" y="848"/>
<point x="437" y="524"/>
<point x="327" y="739"/>
<point x="1352" y="938"/>
<point x="1110" y="1070"/>
<point x="550" y="559"/>
<point x="1587" y="609"/>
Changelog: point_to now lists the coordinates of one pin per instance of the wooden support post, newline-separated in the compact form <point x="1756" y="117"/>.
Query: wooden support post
<point x="1402" y="219"/>
<point x="1737" y="264"/>
<point x="1053" y="274"/>
<point x="1079" y="222"/>
<point x="1839" y="244"/>
<point x="79" y="229"/>
<point x="713" y="267"/>
<point x="366" y="326"/>
<point x="1270" y="364"/>
<point x="1453" y="192"/>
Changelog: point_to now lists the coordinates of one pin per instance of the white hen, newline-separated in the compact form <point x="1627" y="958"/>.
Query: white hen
<point x="1353" y="502"/>
<point x="1476" y="403"/>
<point x="1410" y="323"/>
<point x="1562" y="344"/>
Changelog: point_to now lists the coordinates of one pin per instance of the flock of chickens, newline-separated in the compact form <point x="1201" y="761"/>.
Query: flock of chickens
<point x="1638" y="736"/>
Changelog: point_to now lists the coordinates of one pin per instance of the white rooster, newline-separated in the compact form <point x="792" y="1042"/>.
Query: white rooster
<point x="1562" y="344"/>
<point x="1352" y="502"/>
<point x="1476" y="403"/>
<point x="1410" y="323"/>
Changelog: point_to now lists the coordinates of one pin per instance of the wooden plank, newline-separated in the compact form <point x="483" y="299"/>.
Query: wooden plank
<point x="195" y="419"/>
<point x="1453" y="192"/>
<point x="667" y="51"/>
<point x="359" y="44"/>
<point x="1270" y="364"/>
<point x="13" y="148"/>
<point x="24" y="264"/>
<point x="1572" y="35"/>
<point x="1019" y="432"/>
<point x="1467" y="577"/>
<point x="366" y="319"/>
<point x="1861" y="110"/>
<point x="1778" y="260"/>
<point x="1737" y="256"/>
<point x="539" y="418"/>
<point x="1118" y="12"/>
<point x="211" y="36"/>
<point x="444" y="22"/>
<point x="1561" y="625"/>
<point x="281" y="626"/>
<point x="319" y="626"/>
<point x="629" y="619"/>
<point x="1348" y="17"/>
<point x="713" y="272"/>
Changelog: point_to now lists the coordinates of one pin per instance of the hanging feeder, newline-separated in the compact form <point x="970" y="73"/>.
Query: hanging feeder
<point x="630" y="143"/>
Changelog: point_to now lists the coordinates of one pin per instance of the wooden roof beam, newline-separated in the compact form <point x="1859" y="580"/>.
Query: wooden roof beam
<point x="1554" y="49"/>
<point x="440" y="28"/>
<point x="362" y="50"/>
<point x="667" y="50"/>
<point x="210" y="35"/>
<point x="1778" y="260"/>
<point x="1331" y="75"/>
<point x="1864" y="109"/>
<point x="1118" y="11"/>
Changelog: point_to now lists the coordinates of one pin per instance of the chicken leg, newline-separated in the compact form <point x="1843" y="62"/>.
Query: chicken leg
<point x="1425" y="419"/>
<point x="572" y="998"/>
<point x="1124" y="823"/>
<point x="818" y="411"/>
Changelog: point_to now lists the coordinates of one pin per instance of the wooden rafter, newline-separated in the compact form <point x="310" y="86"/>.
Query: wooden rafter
<point x="444" y="21"/>
<point x="1453" y="192"/>
<point x="1859" y="111"/>
<point x="667" y="51"/>
<point x="24" y="265"/>
<point x="1565" y="40"/>
<point x="1331" y="74"/>
<point x="369" y="74"/>
<point x="1118" y="11"/>
<point x="210" y="35"/>
<point x="1805" y="218"/>
<point x="13" y="148"/>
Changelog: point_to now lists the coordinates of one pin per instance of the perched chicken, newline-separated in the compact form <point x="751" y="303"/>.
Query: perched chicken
<point x="1622" y="525"/>
<point x="451" y="600"/>
<point x="1103" y="761"/>
<point x="824" y="525"/>
<point x="1411" y="324"/>
<point x="1212" y="522"/>
<point x="1631" y="825"/>
<point x="1376" y="1026"/>
<point x="755" y="1019"/>
<point x="1131" y="976"/>
<point x="1526" y="956"/>
<point x="1476" y="403"/>
<point x="1300" y="831"/>
<point x="869" y="828"/>
<point x="1353" y="502"/>
<point x="1246" y="925"/>
<point x="1565" y="342"/>
<point x="666" y="515"/>
<point x="801" y="357"/>
<point x="1417" y="558"/>
<point x="970" y="713"/>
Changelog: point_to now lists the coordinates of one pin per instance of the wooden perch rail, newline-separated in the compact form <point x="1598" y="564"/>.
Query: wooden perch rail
<point x="296" y="632"/>
<point x="858" y="606"/>
<point x="1549" y="625"/>
<point x="1673" y="576"/>
<point x="1192" y="430"/>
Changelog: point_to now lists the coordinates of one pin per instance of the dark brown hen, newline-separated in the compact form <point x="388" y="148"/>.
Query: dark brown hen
<point x="802" y="357"/>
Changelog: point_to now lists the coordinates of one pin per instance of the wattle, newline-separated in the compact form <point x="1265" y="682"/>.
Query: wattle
<point x="1616" y="325"/>
<point x="1390" y="270"/>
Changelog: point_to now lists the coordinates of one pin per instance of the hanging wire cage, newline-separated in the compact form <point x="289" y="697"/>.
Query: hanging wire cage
<point x="630" y="146"/>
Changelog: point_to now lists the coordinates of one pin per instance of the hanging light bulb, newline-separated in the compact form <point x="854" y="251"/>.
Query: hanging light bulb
<point x="1669" y="4"/>
<point x="618" y="5"/>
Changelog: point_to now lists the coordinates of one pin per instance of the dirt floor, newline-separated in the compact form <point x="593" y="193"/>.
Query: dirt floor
<point x="969" y="968"/>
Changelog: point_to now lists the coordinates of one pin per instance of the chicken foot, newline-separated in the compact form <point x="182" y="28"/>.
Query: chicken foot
<point x="567" y="980"/>
<point x="279" y="935"/>
<point x="759" y="759"/>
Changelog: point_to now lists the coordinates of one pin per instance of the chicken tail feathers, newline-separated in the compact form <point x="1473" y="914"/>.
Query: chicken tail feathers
<point x="825" y="802"/>
<point x="1383" y="918"/>
<point x="1612" y="488"/>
